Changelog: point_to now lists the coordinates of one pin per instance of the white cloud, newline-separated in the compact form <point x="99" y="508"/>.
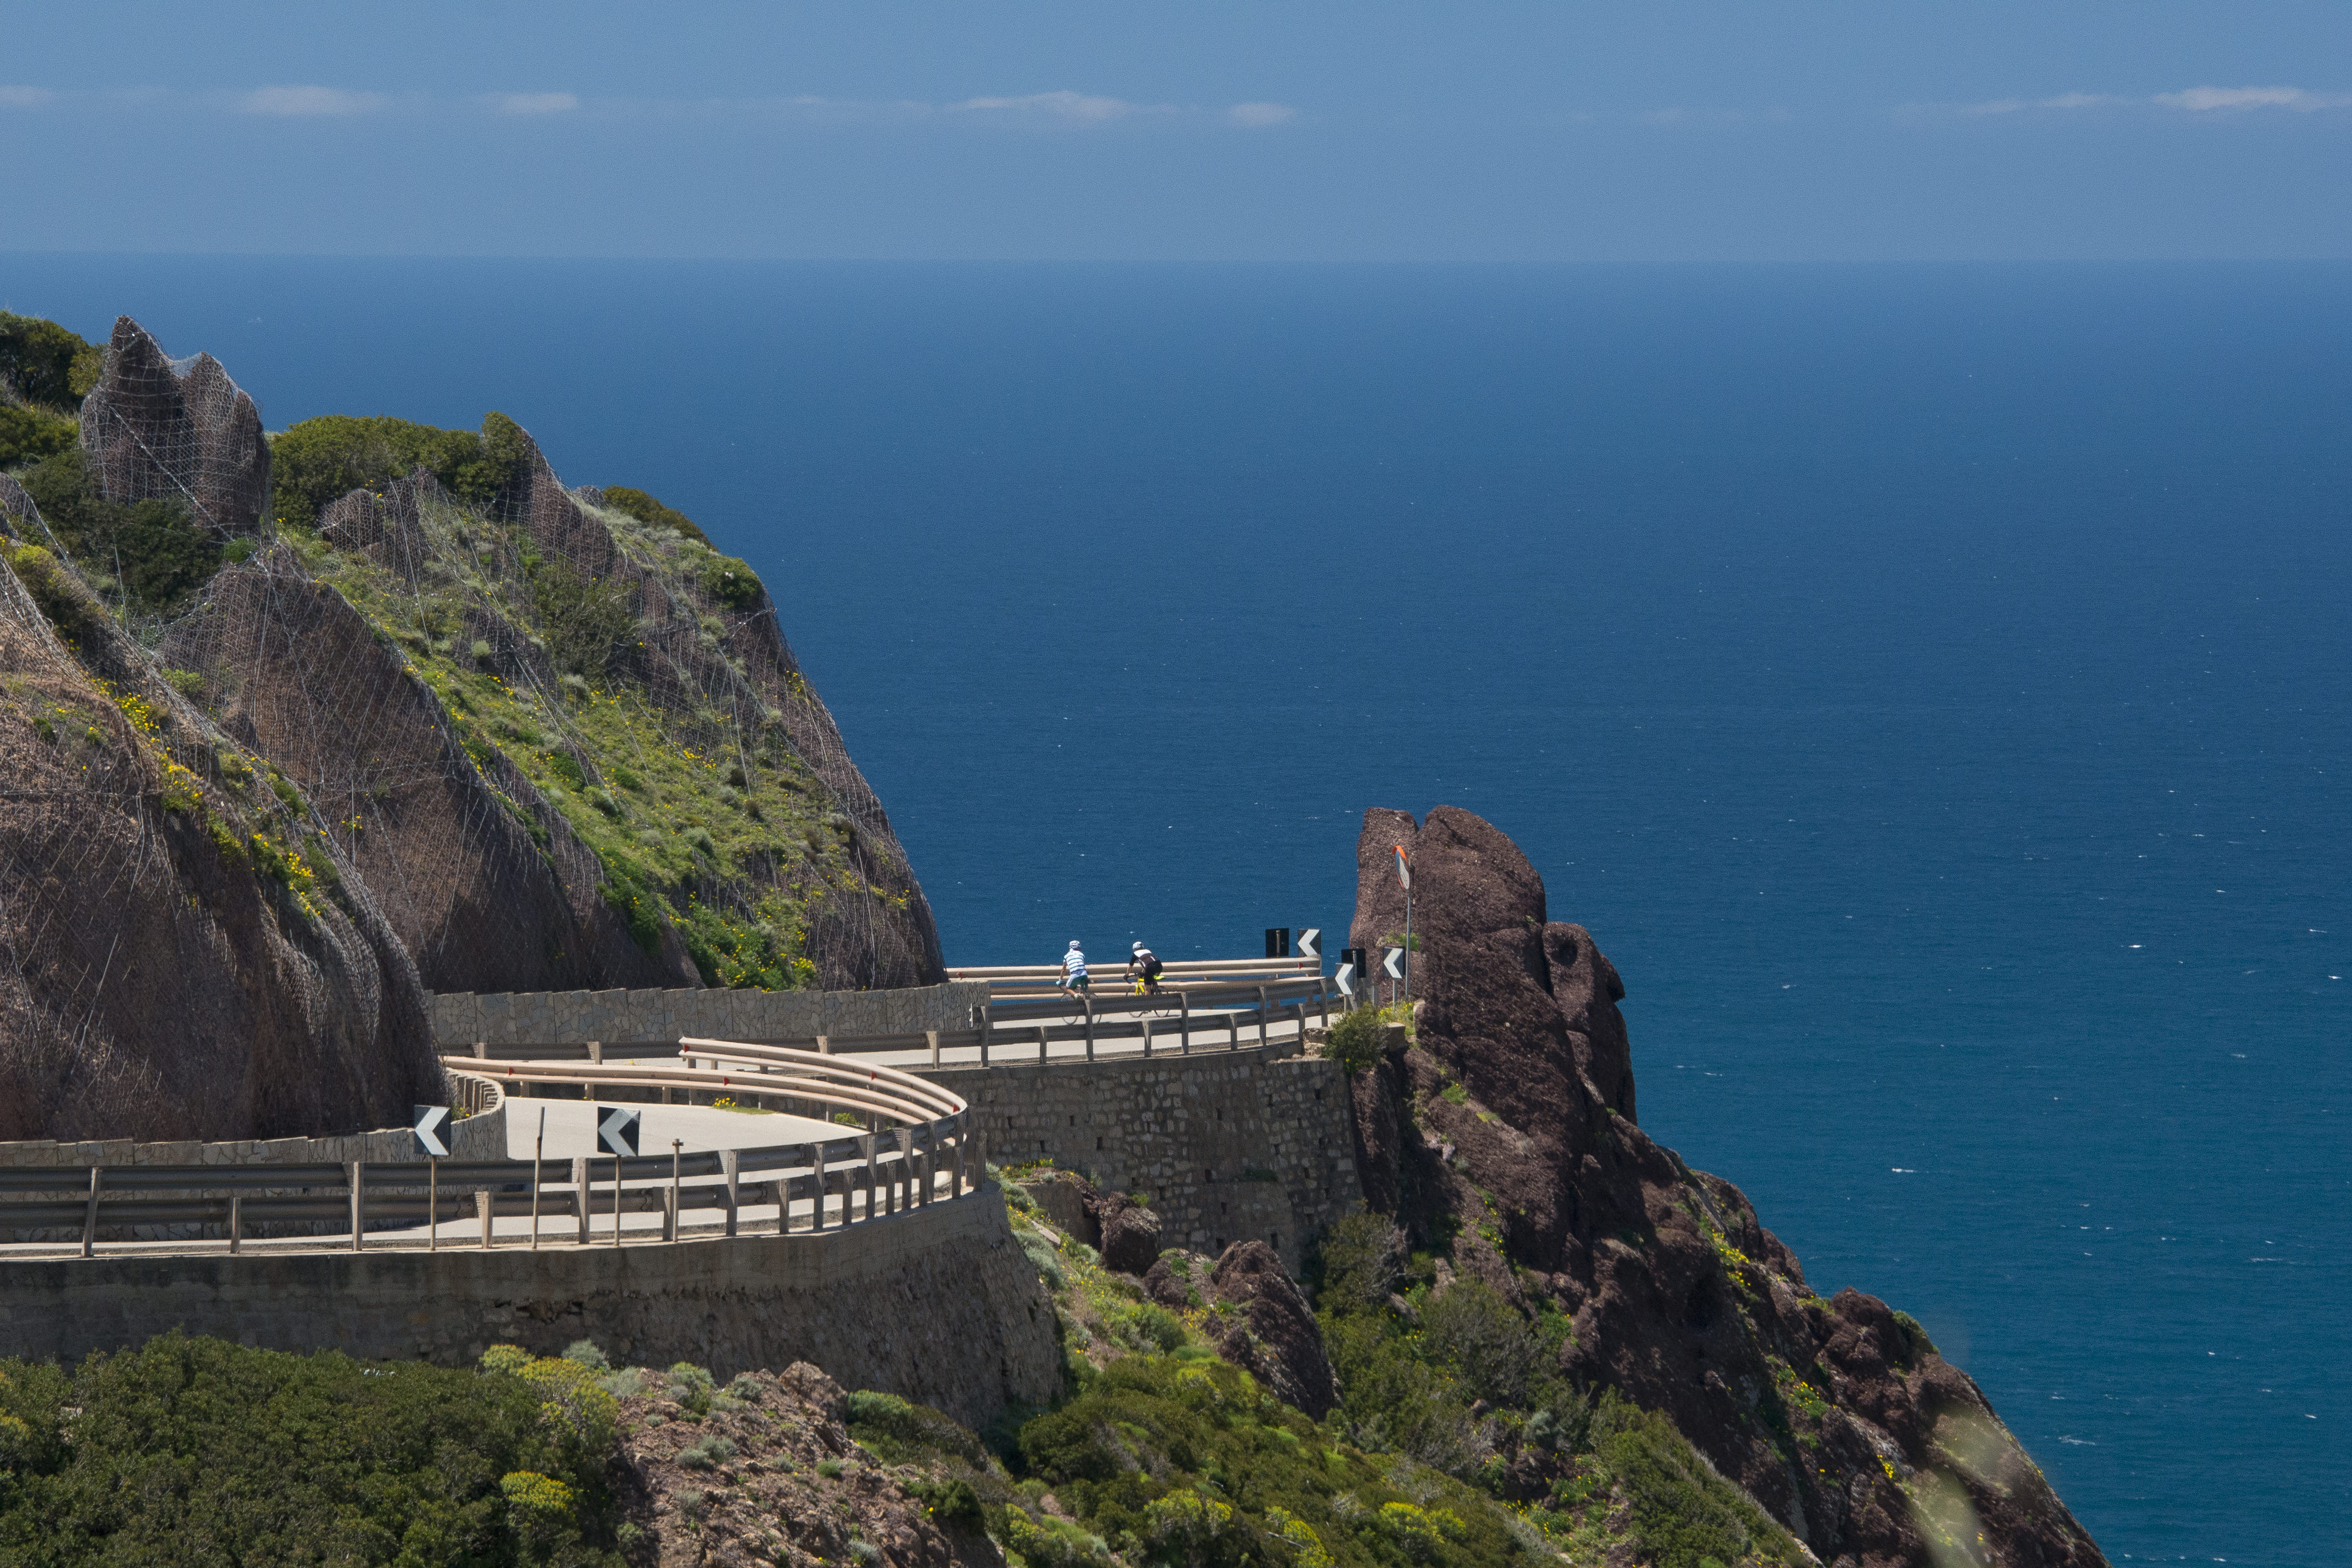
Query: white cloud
<point x="1072" y="108"/>
<point x="2195" y="100"/>
<point x="309" y="101"/>
<point x="534" y="102"/>
<point x="25" y="97"/>
<point x="2206" y="99"/>
<point x="1258" y="116"/>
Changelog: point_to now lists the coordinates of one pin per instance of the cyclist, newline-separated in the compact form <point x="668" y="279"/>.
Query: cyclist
<point x="1074" y="969"/>
<point x="1143" y="969"/>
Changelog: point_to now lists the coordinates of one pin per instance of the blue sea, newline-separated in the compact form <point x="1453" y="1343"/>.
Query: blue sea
<point x="1932" y="685"/>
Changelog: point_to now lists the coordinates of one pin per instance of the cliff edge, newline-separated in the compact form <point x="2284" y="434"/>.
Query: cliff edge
<point x="1502" y="1140"/>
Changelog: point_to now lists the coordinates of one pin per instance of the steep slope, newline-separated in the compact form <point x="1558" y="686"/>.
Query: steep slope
<point x="636" y="680"/>
<point x="186" y="957"/>
<point x="1504" y="1142"/>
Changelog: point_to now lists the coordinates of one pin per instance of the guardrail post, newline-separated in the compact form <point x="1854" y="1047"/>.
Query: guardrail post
<point x="580" y="1191"/>
<point x="817" y="1155"/>
<point x="1233" y="1028"/>
<point x="1322" y="997"/>
<point x="955" y="1185"/>
<point x="236" y="1222"/>
<point x="873" y="1170"/>
<point x="933" y="1036"/>
<point x="902" y="1190"/>
<point x="596" y="1052"/>
<point x="1261" y="1017"/>
<point x="482" y="1203"/>
<point x="983" y="1034"/>
<point x="89" y="1215"/>
<point x="1147" y="1036"/>
<point x="1087" y="1003"/>
<point x="1041" y="1044"/>
<point x="359" y="1204"/>
<point x="1183" y="1025"/>
<point x="824" y="1044"/>
<point x="481" y="1050"/>
<point x="728" y="1167"/>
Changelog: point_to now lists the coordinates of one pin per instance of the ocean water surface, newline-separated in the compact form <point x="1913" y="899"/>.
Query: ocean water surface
<point x="1932" y="686"/>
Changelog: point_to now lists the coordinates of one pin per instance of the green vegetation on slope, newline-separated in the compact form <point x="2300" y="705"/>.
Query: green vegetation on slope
<point x="1461" y="1379"/>
<point x="320" y="460"/>
<point x="197" y="1452"/>
<point x="719" y="826"/>
<point x="41" y="362"/>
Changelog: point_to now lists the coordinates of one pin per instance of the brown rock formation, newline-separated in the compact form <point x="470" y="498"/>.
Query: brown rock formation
<point x="154" y="431"/>
<point x="739" y="1483"/>
<point x="183" y="959"/>
<point x="1838" y="1416"/>
<point x="1274" y="1337"/>
<point x="447" y="844"/>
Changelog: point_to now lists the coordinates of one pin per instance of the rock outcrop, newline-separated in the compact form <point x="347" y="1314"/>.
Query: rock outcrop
<point x="1837" y="1416"/>
<point x="185" y="960"/>
<point x="1273" y="1337"/>
<point x="767" y="1473"/>
<point x="154" y="430"/>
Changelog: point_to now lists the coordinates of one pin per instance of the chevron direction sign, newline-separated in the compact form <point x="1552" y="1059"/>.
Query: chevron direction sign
<point x="1310" y="940"/>
<point x="617" y="1133"/>
<point x="432" y="1129"/>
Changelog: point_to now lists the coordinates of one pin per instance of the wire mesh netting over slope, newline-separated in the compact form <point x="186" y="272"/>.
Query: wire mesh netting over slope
<point x="549" y="744"/>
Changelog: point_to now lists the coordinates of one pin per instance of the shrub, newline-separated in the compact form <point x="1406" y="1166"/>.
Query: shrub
<point x="731" y="583"/>
<point x="44" y="362"/>
<point x="587" y="1354"/>
<point x="1357" y="1263"/>
<point x="586" y="621"/>
<point x="163" y="555"/>
<point x="707" y="1454"/>
<point x="1158" y="1327"/>
<point x="186" y="682"/>
<point x="691" y="1386"/>
<point x="184" y="1450"/>
<point x="69" y="606"/>
<point x="313" y="463"/>
<point x="646" y="510"/>
<point x="951" y="1502"/>
<point x="29" y="435"/>
<point x="1482" y="1338"/>
<point x="1355" y="1041"/>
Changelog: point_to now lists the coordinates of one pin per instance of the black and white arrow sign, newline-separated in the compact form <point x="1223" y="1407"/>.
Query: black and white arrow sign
<point x="617" y="1132"/>
<point x="1392" y="963"/>
<point x="1346" y="979"/>
<point x="432" y="1129"/>
<point x="1309" y="942"/>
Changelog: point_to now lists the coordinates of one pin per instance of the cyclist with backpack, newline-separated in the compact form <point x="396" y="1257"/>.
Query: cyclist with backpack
<point x="1143" y="969"/>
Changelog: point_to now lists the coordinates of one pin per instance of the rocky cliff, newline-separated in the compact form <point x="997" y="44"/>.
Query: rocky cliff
<point x="1503" y="1141"/>
<point x="187" y="956"/>
<point x="486" y="731"/>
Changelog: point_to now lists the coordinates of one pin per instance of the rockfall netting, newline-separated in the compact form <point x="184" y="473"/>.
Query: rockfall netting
<point x="182" y="952"/>
<point x="550" y="745"/>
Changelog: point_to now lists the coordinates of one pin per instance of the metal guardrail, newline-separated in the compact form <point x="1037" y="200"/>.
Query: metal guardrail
<point x="1212" y="1009"/>
<point x="915" y="1134"/>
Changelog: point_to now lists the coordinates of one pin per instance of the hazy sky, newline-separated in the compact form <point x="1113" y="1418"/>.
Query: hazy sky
<point x="1355" y="131"/>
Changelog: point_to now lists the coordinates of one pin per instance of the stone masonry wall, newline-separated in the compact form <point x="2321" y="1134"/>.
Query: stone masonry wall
<point x="1228" y="1146"/>
<point x="461" y="1018"/>
<point x="481" y="1137"/>
<point x="936" y="1305"/>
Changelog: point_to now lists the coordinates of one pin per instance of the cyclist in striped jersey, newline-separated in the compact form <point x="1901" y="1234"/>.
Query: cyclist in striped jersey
<point x="1074" y="969"/>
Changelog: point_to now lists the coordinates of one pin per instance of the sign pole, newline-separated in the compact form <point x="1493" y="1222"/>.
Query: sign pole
<point x="538" y="1152"/>
<point x="432" y="1205"/>
<point x="616" y="1200"/>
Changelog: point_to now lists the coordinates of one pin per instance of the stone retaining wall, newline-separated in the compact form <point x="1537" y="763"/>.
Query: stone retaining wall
<point x="937" y="1305"/>
<point x="1227" y="1146"/>
<point x="461" y="1018"/>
